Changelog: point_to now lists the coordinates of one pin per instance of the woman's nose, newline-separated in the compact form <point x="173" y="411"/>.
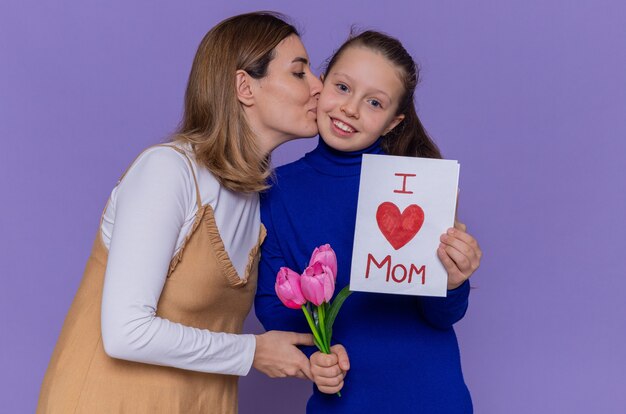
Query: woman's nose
<point x="315" y="85"/>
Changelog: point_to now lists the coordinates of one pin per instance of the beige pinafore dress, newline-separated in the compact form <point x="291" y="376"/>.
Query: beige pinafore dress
<point x="202" y="290"/>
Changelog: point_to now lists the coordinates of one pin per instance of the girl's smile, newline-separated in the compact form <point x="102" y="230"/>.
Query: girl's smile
<point x="342" y="128"/>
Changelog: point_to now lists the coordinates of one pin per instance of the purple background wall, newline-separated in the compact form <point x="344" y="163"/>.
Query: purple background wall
<point x="529" y="96"/>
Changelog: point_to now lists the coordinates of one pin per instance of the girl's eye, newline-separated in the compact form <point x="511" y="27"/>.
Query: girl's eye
<point x="375" y="103"/>
<point x="299" y="75"/>
<point x="342" y="87"/>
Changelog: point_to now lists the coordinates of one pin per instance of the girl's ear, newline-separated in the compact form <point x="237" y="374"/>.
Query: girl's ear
<point x="243" y="87"/>
<point x="394" y="123"/>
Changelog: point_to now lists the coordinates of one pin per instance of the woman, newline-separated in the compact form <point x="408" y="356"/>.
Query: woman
<point x="156" y="323"/>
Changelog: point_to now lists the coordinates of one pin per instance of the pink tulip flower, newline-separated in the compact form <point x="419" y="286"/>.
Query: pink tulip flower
<point x="318" y="283"/>
<point x="327" y="257"/>
<point x="288" y="288"/>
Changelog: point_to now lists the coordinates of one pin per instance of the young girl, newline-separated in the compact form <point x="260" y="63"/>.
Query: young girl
<point x="403" y="352"/>
<point x="156" y="324"/>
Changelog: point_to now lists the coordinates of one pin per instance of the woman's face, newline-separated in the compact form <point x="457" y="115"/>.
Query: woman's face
<point x="285" y="100"/>
<point x="359" y="101"/>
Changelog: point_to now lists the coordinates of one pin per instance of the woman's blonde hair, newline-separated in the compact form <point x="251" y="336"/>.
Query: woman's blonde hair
<point x="214" y="121"/>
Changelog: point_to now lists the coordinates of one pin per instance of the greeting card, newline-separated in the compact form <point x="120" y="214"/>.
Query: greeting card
<point x="405" y="205"/>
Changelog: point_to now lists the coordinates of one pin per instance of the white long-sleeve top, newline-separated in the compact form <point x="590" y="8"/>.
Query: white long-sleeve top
<point x="148" y="216"/>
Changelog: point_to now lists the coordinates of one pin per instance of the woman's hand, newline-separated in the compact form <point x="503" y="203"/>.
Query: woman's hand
<point x="460" y="254"/>
<point x="277" y="355"/>
<point x="329" y="370"/>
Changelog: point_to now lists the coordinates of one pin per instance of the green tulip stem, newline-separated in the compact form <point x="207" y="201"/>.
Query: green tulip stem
<point x="321" y="310"/>
<point x="322" y="316"/>
<point x="313" y="328"/>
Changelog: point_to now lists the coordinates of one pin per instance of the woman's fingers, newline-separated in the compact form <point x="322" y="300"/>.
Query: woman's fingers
<point x="277" y="355"/>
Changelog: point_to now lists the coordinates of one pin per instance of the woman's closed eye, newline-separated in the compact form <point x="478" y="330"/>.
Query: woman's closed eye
<point x="299" y="75"/>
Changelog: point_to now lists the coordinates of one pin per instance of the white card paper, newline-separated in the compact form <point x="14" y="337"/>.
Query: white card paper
<point x="405" y="205"/>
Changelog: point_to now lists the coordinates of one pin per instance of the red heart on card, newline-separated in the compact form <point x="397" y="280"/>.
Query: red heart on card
<point x="399" y="228"/>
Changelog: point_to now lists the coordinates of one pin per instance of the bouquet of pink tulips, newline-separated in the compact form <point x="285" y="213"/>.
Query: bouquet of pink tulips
<point x="312" y="292"/>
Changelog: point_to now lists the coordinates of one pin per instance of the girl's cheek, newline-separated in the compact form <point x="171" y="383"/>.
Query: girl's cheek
<point x="333" y="100"/>
<point x="325" y="103"/>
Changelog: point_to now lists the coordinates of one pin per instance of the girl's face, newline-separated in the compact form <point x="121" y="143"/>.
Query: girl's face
<point x="285" y="100"/>
<point x="359" y="101"/>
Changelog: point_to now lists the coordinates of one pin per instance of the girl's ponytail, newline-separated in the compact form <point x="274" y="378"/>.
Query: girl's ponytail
<point x="409" y="138"/>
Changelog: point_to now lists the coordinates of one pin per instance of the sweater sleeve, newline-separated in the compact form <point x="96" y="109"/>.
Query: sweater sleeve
<point x="270" y="311"/>
<point x="150" y="210"/>
<point x="442" y="313"/>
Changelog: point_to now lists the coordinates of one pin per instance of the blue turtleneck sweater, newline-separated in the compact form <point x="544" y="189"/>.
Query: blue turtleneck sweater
<point x="404" y="356"/>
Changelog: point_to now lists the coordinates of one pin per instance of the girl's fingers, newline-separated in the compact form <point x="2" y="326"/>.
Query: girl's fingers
<point x="460" y="258"/>
<point x="447" y="262"/>
<point x="460" y="226"/>
<point x="466" y="246"/>
<point x="458" y="245"/>
<point x="322" y="372"/>
<point x="342" y="356"/>
<point x="323" y="360"/>
<point x="329" y="382"/>
<point x="330" y="390"/>
<point x="465" y="264"/>
<point x="462" y="235"/>
<point x="455" y="276"/>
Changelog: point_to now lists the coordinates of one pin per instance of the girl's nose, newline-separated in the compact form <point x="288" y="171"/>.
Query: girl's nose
<point x="350" y="110"/>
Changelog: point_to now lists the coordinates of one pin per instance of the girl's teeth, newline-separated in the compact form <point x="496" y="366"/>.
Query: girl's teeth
<point x="343" y="126"/>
